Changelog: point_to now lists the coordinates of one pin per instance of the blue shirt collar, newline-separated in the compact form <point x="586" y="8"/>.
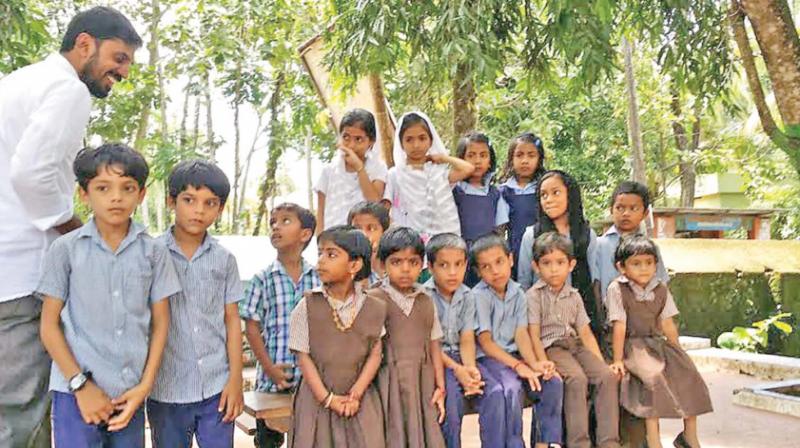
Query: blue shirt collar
<point x="458" y="295"/>
<point x="89" y="230"/>
<point x="169" y="240"/>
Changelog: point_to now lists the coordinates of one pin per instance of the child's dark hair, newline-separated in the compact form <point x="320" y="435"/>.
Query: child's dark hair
<point x="477" y="137"/>
<point x="444" y="241"/>
<point x="410" y="120"/>
<point x="352" y="241"/>
<point x="632" y="245"/>
<point x="397" y="239"/>
<point x="362" y="119"/>
<point x="486" y="242"/>
<point x="550" y="242"/>
<point x="90" y="161"/>
<point x="373" y="209"/>
<point x="306" y="218"/>
<point x="198" y="174"/>
<point x="102" y="23"/>
<point x="631" y="187"/>
<point x="525" y="137"/>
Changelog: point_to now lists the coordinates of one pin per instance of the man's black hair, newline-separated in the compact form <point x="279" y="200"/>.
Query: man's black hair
<point x="632" y="245"/>
<point x="631" y="187"/>
<point x="100" y="22"/>
<point x="550" y="242"/>
<point x="352" y="241"/>
<point x="373" y="209"/>
<point x="90" y="161"/>
<point x="484" y="243"/>
<point x="397" y="239"/>
<point x="444" y="241"/>
<point x="198" y="174"/>
<point x="362" y="119"/>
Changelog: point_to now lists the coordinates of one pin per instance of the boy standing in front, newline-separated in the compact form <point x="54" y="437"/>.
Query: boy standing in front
<point x="105" y="317"/>
<point x="198" y="391"/>
<point x="268" y="304"/>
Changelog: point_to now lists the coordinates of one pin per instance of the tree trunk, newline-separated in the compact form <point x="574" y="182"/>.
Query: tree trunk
<point x="686" y="148"/>
<point x="246" y="172"/>
<point x="196" y="124"/>
<point x="182" y="134"/>
<point x="276" y="148"/>
<point x="309" y="179"/>
<point x="384" y="122"/>
<point x="212" y="147"/>
<point x="634" y="128"/>
<point x="464" y="114"/>
<point x="237" y="167"/>
<point x="772" y="35"/>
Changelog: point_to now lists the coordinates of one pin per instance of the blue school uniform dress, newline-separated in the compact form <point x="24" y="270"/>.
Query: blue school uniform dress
<point x="480" y="210"/>
<point x="523" y="211"/>
<point x="106" y="322"/>
<point x="602" y="261"/>
<point x="185" y="398"/>
<point x="502" y="316"/>
<point x="457" y="316"/>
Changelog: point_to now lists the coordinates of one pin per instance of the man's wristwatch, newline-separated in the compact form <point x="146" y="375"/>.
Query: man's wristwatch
<point x="77" y="382"/>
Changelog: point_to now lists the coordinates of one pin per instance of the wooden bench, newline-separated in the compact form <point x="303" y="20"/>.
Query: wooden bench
<point x="274" y="408"/>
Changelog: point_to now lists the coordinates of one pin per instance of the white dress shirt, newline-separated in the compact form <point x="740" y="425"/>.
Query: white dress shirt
<point x="44" y="110"/>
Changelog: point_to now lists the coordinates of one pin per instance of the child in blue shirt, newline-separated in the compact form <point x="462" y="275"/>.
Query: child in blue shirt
<point x="481" y="207"/>
<point x="629" y="204"/>
<point x="198" y="391"/>
<point x="268" y="304"/>
<point x="455" y="307"/>
<point x="506" y="352"/>
<point x="372" y="218"/>
<point x="105" y="315"/>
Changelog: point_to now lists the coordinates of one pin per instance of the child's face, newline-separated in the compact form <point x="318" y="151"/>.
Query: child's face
<point x="416" y="143"/>
<point x="449" y="269"/>
<point x="525" y="160"/>
<point x="554" y="268"/>
<point x="478" y="155"/>
<point x="287" y="231"/>
<point x="639" y="269"/>
<point x="371" y="227"/>
<point x="112" y="196"/>
<point x="196" y="209"/>
<point x="627" y="212"/>
<point x="403" y="268"/>
<point x="356" y="140"/>
<point x="553" y="197"/>
<point x="334" y="265"/>
<point x="494" y="267"/>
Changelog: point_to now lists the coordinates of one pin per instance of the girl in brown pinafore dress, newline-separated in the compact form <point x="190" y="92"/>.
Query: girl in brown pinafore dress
<point x="336" y="332"/>
<point x="411" y="378"/>
<point x="661" y="380"/>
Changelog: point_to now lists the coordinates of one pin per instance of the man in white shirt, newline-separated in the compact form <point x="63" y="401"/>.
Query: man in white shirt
<point x="44" y="110"/>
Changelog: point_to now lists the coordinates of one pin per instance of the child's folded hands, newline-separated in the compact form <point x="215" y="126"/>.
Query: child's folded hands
<point x="618" y="368"/>
<point x="94" y="404"/>
<point x="470" y="380"/>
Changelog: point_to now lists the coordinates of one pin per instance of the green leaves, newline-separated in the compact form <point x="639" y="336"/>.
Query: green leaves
<point x="755" y="338"/>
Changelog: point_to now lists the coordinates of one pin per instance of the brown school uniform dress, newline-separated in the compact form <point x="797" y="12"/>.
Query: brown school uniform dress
<point x="339" y="357"/>
<point x="663" y="382"/>
<point x="406" y="380"/>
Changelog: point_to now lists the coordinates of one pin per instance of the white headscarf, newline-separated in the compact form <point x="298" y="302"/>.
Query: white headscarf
<point x="437" y="147"/>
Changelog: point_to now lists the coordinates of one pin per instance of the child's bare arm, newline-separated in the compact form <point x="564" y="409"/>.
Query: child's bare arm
<point x="535" y="332"/>
<point x="311" y="377"/>
<point x="449" y="362"/>
<point x="492" y="349"/>
<point x="232" y="398"/>
<point x="320" y="211"/>
<point x="371" y="189"/>
<point x="438" y="365"/>
<point x="670" y="330"/>
<point x="523" y="341"/>
<point x="369" y="370"/>
<point x="95" y="406"/>
<point x="589" y="341"/>
<point x="276" y="372"/>
<point x="618" y="348"/>
<point x="460" y="169"/>
<point x="130" y="401"/>
<point x="467" y="348"/>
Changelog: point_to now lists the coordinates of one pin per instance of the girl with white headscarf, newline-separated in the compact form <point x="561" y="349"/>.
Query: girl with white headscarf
<point x="420" y="184"/>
